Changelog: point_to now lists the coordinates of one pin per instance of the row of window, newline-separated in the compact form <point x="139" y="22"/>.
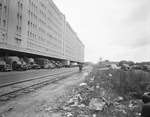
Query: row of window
<point x="18" y="40"/>
<point x="69" y="52"/>
<point x="2" y="37"/>
<point x="3" y="23"/>
<point x="55" y="25"/>
<point x="4" y="9"/>
<point x="41" y="48"/>
<point x="42" y="30"/>
<point x="42" y="22"/>
<point x="18" y="29"/>
<point x="19" y="22"/>
<point x="20" y="7"/>
<point x="42" y="14"/>
<point x="34" y="37"/>
<point x="42" y="5"/>
<point x="32" y="6"/>
<point x="49" y="42"/>
<point x="32" y="15"/>
<point x="49" y="35"/>
<point x="70" y="39"/>
<point x="70" y="47"/>
<point x="3" y="14"/>
<point x="55" y="32"/>
<point x="31" y="26"/>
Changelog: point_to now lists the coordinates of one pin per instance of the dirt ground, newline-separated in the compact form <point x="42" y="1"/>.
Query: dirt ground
<point x="36" y="103"/>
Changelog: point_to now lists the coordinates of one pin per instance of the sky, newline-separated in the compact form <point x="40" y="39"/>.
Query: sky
<point x="112" y="29"/>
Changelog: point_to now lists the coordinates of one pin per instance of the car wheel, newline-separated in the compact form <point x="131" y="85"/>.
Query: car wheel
<point x="3" y="69"/>
<point x="19" y="69"/>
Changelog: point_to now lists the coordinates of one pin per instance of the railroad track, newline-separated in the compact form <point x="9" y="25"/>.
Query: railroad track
<point x="9" y="91"/>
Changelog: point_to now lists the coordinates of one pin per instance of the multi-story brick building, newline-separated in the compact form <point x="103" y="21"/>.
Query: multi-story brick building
<point x="37" y="27"/>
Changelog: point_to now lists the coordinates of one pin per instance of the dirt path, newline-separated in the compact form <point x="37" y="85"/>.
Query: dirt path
<point x="36" y="103"/>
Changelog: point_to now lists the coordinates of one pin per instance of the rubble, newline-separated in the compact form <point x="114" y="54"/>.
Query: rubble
<point x="82" y="84"/>
<point x="118" y="99"/>
<point x="94" y="98"/>
<point x="97" y="104"/>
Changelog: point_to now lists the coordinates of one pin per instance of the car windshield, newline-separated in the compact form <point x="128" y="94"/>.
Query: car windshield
<point x="23" y="63"/>
<point x="19" y="62"/>
<point x="2" y="62"/>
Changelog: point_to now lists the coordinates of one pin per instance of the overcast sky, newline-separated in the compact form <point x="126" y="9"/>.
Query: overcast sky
<point x="112" y="29"/>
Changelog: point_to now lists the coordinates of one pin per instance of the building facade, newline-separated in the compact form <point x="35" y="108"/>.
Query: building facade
<point x="38" y="27"/>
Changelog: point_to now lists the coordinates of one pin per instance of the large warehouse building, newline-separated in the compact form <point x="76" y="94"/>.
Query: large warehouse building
<point x="37" y="28"/>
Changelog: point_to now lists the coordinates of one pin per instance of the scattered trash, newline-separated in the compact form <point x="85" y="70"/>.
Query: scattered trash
<point x="110" y="75"/>
<point x="82" y="84"/>
<point x="118" y="99"/>
<point x="49" y="109"/>
<point x="95" y="95"/>
<point x="97" y="86"/>
<point x="69" y="114"/>
<point x="97" y="104"/>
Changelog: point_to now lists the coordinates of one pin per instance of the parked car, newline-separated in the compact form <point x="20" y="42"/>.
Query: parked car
<point x="53" y="62"/>
<point x="19" y="66"/>
<point x="4" y="66"/>
<point x="28" y="66"/>
<point x="58" y="64"/>
<point x="52" y="65"/>
<point x="35" y="66"/>
<point x="65" y="63"/>
<point x="43" y="62"/>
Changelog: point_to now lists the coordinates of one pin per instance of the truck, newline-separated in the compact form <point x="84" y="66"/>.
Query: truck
<point x="29" y="60"/>
<point x="4" y="66"/>
<point x="73" y="64"/>
<point x="43" y="62"/>
<point x="32" y="63"/>
<point x="25" y="63"/>
<point x="15" y="63"/>
<point x="65" y="63"/>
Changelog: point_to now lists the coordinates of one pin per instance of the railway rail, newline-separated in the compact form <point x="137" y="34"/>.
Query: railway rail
<point x="9" y="91"/>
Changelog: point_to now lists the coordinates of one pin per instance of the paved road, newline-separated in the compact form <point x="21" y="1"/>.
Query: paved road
<point x="15" y="76"/>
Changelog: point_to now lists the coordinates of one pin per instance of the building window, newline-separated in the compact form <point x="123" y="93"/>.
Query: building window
<point x="4" y="23"/>
<point x="5" y="9"/>
<point x="3" y="36"/>
<point x="28" y="34"/>
<point x="20" y="30"/>
<point x="18" y="41"/>
<point x="17" y="28"/>
<point x="0" y="22"/>
<point x="28" y="22"/>
<point x="18" y="16"/>
<point x="0" y="5"/>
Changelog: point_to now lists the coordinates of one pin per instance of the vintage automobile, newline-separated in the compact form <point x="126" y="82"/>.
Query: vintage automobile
<point x="4" y="66"/>
<point x="35" y="66"/>
<point x="18" y="66"/>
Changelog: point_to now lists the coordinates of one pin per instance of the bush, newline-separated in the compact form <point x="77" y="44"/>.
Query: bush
<point x="134" y="83"/>
<point x="124" y="83"/>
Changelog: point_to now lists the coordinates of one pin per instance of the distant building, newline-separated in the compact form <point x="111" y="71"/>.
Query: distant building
<point x="37" y="27"/>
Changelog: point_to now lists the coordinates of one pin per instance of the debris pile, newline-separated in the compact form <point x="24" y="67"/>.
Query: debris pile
<point x="95" y="98"/>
